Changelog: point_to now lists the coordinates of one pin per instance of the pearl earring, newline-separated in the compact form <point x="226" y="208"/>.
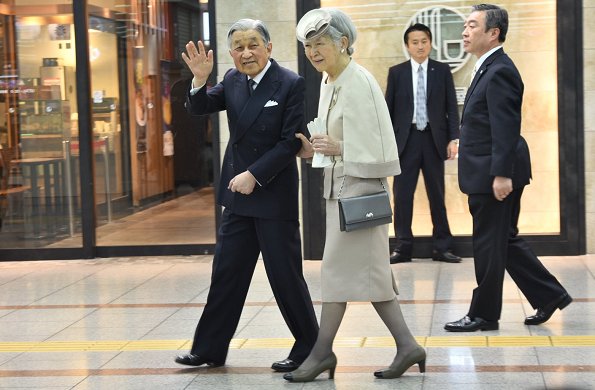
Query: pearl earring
<point x="343" y="50"/>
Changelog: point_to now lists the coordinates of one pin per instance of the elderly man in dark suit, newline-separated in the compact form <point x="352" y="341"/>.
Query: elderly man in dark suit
<point x="494" y="167"/>
<point x="258" y="189"/>
<point x="422" y="102"/>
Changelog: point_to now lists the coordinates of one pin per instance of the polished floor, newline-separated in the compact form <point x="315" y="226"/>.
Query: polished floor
<point x="118" y="323"/>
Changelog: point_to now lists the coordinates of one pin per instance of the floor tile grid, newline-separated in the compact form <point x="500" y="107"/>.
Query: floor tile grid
<point x="464" y="354"/>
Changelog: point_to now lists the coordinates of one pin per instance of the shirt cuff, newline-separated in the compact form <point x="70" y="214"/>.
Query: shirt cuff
<point x="257" y="182"/>
<point x="194" y="89"/>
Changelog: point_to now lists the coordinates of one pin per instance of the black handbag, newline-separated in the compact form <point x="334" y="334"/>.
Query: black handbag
<point x="364" y="211"/>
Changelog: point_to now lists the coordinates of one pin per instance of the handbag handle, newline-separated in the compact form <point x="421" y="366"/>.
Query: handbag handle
<point x="343" y="183"/>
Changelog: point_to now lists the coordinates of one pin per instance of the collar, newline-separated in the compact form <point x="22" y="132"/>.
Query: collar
<point x="259" y="76"/>
<point x="415" y="65"/>
<point x="481" y="59"/>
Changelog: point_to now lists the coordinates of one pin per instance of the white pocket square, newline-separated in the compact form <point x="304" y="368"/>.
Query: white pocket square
<point x="271" y="103"/>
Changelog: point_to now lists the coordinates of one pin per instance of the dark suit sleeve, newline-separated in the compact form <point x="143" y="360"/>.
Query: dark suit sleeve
<point x="275" y="160"/>
<point x="452" y="109"/>
<point x="504" y="98"/>
<point x="207" y="100"/>
<point x="390" y="96"/>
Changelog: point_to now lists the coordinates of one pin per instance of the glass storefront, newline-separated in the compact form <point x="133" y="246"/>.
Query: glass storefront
<point x="531" y="43"/>
<point x="39" y="205"/>
<point x="152" y="163"/>
<point x="154" y="166"/>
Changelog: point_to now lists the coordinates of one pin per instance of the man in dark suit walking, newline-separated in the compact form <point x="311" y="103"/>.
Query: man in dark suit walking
<point x="494" y="167"/>
<point x="422" y="102"/>
<point x="258" y="189"/>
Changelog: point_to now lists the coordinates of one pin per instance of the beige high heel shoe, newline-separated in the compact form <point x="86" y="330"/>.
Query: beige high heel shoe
<point x="417" y="356"/>
<point x="329" y="363"/>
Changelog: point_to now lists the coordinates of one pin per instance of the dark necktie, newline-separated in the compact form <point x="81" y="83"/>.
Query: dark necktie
<point x="251" y="86"/>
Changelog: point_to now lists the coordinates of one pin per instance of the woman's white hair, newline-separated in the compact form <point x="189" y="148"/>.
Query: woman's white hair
<point x="314" y="24"/>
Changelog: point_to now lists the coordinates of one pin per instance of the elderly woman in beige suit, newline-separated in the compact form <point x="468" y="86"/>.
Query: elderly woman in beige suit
<point x="361" y="144"/>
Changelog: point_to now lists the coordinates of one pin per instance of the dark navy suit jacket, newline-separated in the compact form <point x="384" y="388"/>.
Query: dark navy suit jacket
<point x="443" y="114"/>
<point x="262" y="139"/>
<point x="491" y="143"/>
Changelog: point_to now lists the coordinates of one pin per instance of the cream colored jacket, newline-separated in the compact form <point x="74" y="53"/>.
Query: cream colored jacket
<point x="356" y="115"/>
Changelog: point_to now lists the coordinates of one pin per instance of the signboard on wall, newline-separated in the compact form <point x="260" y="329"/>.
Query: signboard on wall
<point x="447" y="42"/>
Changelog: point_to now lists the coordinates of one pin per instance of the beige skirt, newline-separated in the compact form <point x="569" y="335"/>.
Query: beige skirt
<point x="356" y="264"/>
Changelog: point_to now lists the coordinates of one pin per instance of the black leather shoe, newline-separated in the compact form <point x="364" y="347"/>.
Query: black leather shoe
<point x="195" y="360"/>
<point x="286" y="365"/>
<point x="447" y="257"/>
<point x="399" y="257"/>
<point x="544" y="314"/>
<point x="467" y="324"/>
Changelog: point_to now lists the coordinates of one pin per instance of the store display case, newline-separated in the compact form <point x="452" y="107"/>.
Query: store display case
<point x="106" y="121"/>
<point x="44" y="124"/>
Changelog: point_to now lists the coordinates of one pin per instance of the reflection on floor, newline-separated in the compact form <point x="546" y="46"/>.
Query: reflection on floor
<point x="188" y="219"/>
<point x="117" y="323"/>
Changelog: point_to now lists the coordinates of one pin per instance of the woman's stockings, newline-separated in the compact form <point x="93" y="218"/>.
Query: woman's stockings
<point x="330" y="319"/>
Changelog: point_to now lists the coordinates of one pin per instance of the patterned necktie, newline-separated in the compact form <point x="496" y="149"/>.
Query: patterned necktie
<point x="421" y="117"/>
<point x="251" y="85"/>
<point x="473" y="74"/>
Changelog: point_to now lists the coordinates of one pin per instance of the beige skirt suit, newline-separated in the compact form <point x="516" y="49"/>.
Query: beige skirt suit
<point x="355" y="265"/>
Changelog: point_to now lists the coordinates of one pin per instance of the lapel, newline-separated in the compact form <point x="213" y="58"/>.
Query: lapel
<point x="254" y="104"/>
<point x="240" y="91"/>
<point x="480" y="72"/>
<point x="431" y="79"/>
<point x="408" y="80"/>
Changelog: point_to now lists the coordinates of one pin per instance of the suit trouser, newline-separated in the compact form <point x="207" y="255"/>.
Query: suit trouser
<point x="239" y="242"/>
<point x="420" y="154"/>
<point x="496" y="248"/>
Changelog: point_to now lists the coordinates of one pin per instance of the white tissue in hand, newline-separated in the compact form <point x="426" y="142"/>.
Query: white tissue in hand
<point x="319" y="160"/>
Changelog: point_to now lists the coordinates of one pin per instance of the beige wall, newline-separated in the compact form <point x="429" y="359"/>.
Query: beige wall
<point x="589" y="76"/>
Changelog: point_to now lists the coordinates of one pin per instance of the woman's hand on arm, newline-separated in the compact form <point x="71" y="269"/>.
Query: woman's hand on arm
<point x="324" y="144"/>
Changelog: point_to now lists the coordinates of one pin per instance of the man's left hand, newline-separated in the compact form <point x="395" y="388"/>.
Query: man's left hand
<point x="502" y="187"/>
<point x="452" y="149"/>
<point x="243" y="183"/>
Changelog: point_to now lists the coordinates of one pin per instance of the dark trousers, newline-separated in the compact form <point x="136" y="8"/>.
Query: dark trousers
<point x="239" y="243"/>
<point x="420" y="155"/>
<point x="496" y="248"/>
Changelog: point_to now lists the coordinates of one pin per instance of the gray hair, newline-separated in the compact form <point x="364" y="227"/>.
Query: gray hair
<point x="342" y="26"/>
<point x="249" y="24"/>
<point x="496" y="17"/>
<point x="339" y="26"/>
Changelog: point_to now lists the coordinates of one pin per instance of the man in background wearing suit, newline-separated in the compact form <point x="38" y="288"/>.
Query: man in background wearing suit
<point x="258" y="189"/>
<point x="494" y="167"/>
<point x="422" y="102"/>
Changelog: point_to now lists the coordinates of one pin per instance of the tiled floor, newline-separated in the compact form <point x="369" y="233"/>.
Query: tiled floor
<point x="118" y="323"/>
